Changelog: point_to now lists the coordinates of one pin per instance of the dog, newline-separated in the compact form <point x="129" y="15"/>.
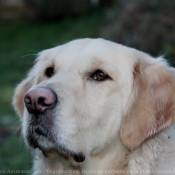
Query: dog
<point x="92" y="106"/>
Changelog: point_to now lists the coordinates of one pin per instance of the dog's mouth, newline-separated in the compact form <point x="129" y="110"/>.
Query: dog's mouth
<point x="39" y="137"/>
<point x="52" y="153"/>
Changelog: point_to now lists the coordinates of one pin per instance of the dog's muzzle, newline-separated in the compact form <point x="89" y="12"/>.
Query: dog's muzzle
<point x="40" y="103"/>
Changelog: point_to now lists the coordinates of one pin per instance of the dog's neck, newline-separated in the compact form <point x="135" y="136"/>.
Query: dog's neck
<point x="108" y="161"/>
<point x="112" y="159"/>
<point x="115" y="159"/>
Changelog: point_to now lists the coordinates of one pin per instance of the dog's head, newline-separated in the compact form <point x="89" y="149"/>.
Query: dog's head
<point x="81" y="96"/>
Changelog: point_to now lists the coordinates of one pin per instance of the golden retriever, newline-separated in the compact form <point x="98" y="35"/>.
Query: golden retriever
<point x="92" y="106"/>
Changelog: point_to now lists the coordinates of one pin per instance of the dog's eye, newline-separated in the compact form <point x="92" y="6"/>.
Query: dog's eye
<point x="49" y="72"/>
<point x="99" y="75"/>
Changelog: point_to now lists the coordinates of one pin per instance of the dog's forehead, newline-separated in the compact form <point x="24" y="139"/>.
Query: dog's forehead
<point x="65" y="51"/>
<point x="86" y="52"/>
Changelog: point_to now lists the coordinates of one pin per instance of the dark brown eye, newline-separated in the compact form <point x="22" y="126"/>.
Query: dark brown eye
<point x="49" y="72"/>
<point x="99" y="75"/>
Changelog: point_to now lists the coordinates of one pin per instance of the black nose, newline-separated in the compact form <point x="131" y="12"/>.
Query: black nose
<point x="39" y="99"/>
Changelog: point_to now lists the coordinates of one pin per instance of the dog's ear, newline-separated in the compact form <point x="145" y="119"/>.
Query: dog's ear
<point x="20" y="91"/>
<point x="152" y="105"/>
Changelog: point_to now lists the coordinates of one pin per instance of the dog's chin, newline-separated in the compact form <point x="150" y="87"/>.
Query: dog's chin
<point x="50" y="148"/>
<point x="44" y="144"/>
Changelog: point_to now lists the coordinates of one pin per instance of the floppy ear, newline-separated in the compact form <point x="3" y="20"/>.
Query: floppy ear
<point x="152" y="106"/>
<point x="20" y="91"/>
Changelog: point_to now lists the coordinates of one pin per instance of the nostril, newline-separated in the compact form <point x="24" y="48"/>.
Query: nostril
<point x="27" y="99"/>
<point x="28" y="102"/>
<point x="41" y="101"/>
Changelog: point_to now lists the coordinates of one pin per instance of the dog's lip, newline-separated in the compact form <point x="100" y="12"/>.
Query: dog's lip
<point x="50" y="154"/>
<point x="78" y="157"/>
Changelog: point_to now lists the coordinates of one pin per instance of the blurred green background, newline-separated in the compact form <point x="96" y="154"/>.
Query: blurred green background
<point x="29" y="26"/>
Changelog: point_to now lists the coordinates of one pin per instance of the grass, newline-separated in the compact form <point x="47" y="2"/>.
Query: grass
<point x="19" y="43"/>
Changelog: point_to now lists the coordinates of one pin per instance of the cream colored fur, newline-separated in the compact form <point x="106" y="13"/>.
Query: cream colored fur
<point x="124" y="125"/>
